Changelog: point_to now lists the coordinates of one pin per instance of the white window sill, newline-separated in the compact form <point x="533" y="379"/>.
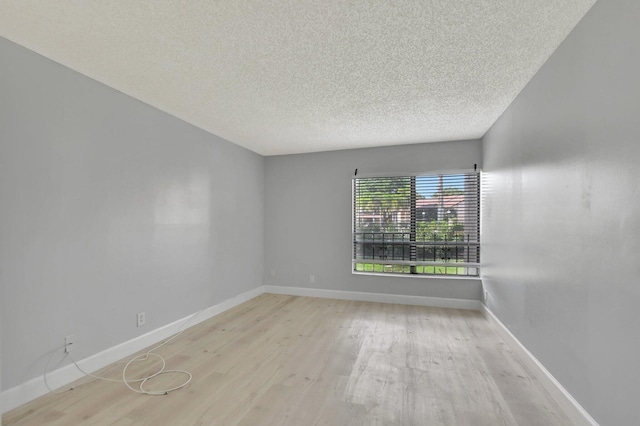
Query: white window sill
<point x="419" y="276"/>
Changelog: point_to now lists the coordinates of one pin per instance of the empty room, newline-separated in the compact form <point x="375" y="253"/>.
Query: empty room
<point x="320" y="213"/>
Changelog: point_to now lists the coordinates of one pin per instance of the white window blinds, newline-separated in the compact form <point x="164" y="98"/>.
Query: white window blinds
<point x="420" y="224"/>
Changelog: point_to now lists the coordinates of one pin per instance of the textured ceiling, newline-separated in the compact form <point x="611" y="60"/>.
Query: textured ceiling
<point x="290" y="76"/>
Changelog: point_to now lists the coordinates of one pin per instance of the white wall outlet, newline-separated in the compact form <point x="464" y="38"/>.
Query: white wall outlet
<point x="312" y="278"/>
<point x="69" y="342"/>
<point x="273" y="273"/>
<point x="486" y="296"/>
<point x="141" y="319"/>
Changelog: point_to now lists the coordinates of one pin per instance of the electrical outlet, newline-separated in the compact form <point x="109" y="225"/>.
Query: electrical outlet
<point x="312" y="278"/>
<point x="141" y="319"/>
<point x="68" y="343"/>
<point x="273" y="272"/>
<point x="486" y="296"/>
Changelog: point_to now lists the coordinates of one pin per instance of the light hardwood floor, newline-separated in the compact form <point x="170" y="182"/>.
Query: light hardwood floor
<point x="285" y="360"/>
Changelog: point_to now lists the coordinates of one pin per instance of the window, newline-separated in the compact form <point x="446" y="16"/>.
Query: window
<point x="420" y="225"/>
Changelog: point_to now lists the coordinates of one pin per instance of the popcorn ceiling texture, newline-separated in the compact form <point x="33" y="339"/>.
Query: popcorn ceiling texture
<point x="291" y="76"/>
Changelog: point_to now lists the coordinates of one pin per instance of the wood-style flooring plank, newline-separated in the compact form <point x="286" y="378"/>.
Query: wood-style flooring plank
<point x="285" y="360"/>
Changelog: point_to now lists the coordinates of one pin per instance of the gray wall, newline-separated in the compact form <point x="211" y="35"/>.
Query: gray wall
<point x="308" y="216"/>
<point x="109" y="207"/>
<point x="561" y="220"/>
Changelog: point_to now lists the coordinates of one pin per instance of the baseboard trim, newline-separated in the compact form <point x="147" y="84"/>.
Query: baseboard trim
<point x="34" y="388"/>
<point x="435" y="302"/>
<point x="578" y="415"/>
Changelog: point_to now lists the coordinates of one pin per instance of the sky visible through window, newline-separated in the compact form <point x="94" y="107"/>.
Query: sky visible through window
<point x="428" y="185"/>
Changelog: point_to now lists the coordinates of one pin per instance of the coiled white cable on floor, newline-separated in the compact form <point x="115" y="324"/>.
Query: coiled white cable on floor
<point x="139" y="358"/>
<point x="156" y="374"/>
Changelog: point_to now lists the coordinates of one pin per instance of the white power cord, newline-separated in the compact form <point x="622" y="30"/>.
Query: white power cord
<point x="89" y="374"/>
<point x="46" y="367"/>
<point x="142" y="357"/>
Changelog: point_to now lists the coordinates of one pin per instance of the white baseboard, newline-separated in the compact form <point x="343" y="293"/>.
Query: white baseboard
<point x="435" y="302"/>
<point x="34" y="388"/>
<point x="578" y="415"/>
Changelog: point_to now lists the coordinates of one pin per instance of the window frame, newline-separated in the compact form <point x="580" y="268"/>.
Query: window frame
<point x="472" y="268"/>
